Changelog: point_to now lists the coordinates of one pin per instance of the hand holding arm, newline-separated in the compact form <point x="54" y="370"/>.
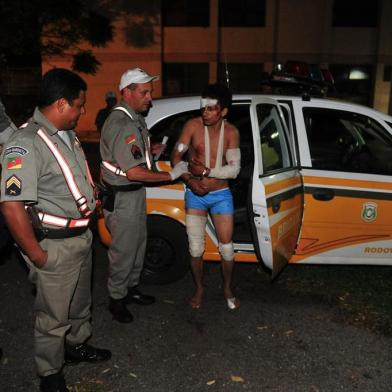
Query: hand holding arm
<point x="197" y="187"/>
<point x="198" y="169"/>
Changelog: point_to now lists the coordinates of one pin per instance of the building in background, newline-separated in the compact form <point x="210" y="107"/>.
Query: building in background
<point x="196" y="42"/>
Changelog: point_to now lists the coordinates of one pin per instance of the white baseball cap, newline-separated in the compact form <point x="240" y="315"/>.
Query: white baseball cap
<point x="135" y="75"/>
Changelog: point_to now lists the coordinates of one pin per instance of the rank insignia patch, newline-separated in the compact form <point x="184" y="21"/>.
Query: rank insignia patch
<point x="135" y="151"/>
<point x="13" y="186"/>
<point x="14" y="163"/>
<point x="130" y="139"/>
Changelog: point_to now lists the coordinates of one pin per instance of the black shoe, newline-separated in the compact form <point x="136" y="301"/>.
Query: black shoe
<point x="135" y="296"/>
<point x="119" y="311"/>
<point x="53" y="383"/>
<point x="85" y="353"/>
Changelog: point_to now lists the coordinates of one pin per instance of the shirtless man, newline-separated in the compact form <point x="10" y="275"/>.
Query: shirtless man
<point x="214" y="158"/>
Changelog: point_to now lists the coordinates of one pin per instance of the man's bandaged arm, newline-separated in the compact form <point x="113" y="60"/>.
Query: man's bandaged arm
<point x="231" y="170"/>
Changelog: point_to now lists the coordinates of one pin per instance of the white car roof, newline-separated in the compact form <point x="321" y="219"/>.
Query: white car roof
<point x="166" y="106"/>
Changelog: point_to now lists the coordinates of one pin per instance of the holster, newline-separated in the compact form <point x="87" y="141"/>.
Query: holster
<point x="38" y="229"/>
<point x="106" y="195"/>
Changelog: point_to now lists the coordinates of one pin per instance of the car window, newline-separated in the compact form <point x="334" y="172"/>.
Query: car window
<point x="274" y="144"/>
<point x="238" y="115"/>
<point x="347" y="141"/>
<point x="171" y="127"/>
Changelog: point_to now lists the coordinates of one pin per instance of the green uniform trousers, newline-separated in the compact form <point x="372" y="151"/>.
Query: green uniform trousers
<point x="127" y="224"/>
<point x="63" y="299"/>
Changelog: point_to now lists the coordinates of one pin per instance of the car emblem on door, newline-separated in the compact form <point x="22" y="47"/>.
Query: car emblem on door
<point x="369" y="212"/>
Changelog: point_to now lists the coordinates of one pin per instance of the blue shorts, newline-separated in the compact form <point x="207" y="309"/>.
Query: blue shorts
<point x="216" y="202"/>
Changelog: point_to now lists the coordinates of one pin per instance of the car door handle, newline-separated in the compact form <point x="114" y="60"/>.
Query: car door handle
<point x="276" y="207"/>
<point x="324" y="194"/>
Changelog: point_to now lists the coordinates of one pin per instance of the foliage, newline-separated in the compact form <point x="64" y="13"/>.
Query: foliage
<point x="31" y="29"/>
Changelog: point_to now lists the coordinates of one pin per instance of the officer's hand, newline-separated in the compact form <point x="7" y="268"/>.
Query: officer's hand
<point x="157" y="148"/>
<point x="41" y="259"/>
<point x="197" y="187"/>
<point x="178" y="170"/>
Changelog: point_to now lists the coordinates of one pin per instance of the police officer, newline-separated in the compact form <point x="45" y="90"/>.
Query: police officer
<point x="7" y="127"/>
<point x="47" y="200"/>
<point x="111" y="100"/>
<point x="127" y="165"/>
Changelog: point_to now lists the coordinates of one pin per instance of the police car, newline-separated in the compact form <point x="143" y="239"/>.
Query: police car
<point x="315" y="186"/>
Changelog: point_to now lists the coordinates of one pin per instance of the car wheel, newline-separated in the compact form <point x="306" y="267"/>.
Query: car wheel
<point x="167" y="255"/>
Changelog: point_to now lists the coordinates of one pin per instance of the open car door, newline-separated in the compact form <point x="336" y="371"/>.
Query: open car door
<point x="277" y="190"/>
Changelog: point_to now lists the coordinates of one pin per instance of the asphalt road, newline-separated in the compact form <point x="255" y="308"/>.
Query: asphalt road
<point x="274" y="342"/>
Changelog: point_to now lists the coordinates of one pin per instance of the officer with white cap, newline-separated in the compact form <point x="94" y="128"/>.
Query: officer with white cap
<point x="127" y="165"/>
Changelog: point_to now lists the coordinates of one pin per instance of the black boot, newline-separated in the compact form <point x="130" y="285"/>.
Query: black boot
<point x="85" y="353"/>
<point x="119" y="311"/>
<point x="136" y="296"/>
<point x="53" y="383"/>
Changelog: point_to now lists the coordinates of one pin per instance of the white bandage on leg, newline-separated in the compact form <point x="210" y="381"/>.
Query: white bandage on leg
<point x="227" y="251"/>
<point x="196" y="230"/>
<point x="233" y="167"/>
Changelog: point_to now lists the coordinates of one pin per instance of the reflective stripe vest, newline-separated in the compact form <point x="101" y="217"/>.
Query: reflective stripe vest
<point x="116" y="170"/>
<point x="80" y="200"/>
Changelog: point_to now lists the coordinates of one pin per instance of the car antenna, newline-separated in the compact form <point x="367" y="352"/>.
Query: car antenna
<point x="219" y="49"/>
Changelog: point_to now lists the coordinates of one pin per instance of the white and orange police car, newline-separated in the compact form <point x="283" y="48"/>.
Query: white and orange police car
<point x="315" y="186"/>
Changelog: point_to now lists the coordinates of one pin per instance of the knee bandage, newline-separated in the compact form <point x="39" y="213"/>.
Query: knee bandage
<point x="196" y="230"/>
<point x="227" y="251"/>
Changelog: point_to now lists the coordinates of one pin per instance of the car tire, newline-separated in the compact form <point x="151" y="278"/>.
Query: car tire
<point x="167" y="257"/>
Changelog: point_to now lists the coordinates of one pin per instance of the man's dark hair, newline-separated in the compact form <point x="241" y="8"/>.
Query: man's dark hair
<point x="219" y="92"/>
<point x="60" y="83"/>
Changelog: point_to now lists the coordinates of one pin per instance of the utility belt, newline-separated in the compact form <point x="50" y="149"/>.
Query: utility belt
<point x="107" y="193"/>
<point x="65" y="227"/>
<point x="62" y="233"/>
<point x="123" y="188"/>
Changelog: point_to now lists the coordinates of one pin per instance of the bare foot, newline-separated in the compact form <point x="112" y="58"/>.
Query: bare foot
<point x="197" y="298"/>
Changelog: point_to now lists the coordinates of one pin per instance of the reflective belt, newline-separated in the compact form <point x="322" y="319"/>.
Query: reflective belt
<point x="115" y="170"/>
<point x="146" y="142"/>
<point x="80" y="200"/>
<point x="58" y="221"/>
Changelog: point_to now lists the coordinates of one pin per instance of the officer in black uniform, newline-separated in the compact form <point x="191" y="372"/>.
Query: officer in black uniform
<point x="47" y="200"/>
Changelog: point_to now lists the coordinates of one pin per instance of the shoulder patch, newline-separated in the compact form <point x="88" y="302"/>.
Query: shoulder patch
<point x="130" y="139"/>
<point x="15" y="150"/>
<point x="136" y="153"/>
<point x="13" y="186"/>
<point x="14" y="163"/>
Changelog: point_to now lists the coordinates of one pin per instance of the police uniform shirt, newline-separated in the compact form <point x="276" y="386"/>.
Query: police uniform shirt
<point x="31" y="173"/>
<point x="124" y="142"/>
